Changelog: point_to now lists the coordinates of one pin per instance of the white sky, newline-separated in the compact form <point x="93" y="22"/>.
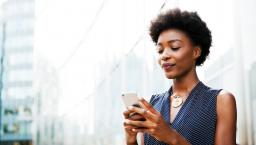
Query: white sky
<point x="2" y="1"/>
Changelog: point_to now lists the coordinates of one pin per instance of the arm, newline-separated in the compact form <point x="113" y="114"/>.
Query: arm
<point x="132" y="143"/>
<point x="226" y="119"/>
<point x="130" y="136"/>
<point x="171" y="139"/>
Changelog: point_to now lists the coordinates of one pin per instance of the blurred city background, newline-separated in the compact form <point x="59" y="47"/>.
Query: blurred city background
<point x="64" y="64"/>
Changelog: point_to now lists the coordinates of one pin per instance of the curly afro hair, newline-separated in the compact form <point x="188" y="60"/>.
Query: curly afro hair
<point x="189" y="23"/>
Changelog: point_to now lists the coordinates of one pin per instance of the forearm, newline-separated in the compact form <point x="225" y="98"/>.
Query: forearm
<point x="174" y="138"/>
<point x="132" y="143"/>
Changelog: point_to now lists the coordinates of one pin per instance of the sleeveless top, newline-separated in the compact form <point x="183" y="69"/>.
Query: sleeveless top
<point x="196" y="119"/>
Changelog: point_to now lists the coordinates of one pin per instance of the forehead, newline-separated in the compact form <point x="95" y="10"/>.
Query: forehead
<point x="172" y="35"/>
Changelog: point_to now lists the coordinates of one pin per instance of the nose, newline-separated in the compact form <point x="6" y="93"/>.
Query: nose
<point x="165" y="55"/>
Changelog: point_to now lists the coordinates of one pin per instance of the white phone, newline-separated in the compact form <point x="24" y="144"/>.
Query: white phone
<point x="130" y="99"/>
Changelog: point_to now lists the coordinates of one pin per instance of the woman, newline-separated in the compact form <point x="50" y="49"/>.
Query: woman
<point x="189" y="112"/>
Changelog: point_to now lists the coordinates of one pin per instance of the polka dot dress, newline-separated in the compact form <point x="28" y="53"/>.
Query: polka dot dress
<point x="196" y="120"/>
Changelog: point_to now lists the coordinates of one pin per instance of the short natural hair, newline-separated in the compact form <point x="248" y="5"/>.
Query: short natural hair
<point x="188" y="22"/>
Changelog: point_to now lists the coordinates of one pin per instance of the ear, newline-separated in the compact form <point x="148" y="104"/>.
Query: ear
<point x="196" y="52"/>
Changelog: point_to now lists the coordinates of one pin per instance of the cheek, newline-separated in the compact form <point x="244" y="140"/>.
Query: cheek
<point x="185" y="55"/>
<point x="184" y="59"/>
<point x="159" y="61"/>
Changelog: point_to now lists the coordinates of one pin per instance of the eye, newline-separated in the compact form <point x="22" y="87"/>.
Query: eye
<point x="160" y="50"/>
<point x="175" y="48"/>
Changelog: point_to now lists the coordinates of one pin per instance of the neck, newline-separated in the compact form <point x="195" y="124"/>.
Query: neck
<point x="183" y="85"/>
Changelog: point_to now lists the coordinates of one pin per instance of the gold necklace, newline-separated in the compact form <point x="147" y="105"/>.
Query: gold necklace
<point x="177" y="101"/>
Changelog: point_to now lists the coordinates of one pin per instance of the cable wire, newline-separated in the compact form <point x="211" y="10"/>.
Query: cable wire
<point x="85" y="35"/>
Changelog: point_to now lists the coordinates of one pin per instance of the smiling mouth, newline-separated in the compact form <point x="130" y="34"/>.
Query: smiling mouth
<point x="168" y="66"/>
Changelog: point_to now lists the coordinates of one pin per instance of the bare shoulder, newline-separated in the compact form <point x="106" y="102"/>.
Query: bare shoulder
<point x="225" y="98"/>
<point x="226" y="103"/>
<point x="226" y="119"/>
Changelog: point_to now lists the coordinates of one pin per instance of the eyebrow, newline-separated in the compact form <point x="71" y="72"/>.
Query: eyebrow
<point x="170" y="41"/>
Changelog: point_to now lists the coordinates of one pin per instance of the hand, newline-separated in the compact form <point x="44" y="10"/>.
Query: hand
<point x="129" y="134"/>
<point x="155" y="125"/>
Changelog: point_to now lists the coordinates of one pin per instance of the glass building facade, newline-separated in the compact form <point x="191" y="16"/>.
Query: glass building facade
<point x="17" y="18"/>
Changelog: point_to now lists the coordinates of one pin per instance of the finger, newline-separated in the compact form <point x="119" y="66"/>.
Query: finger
<point x="129" y="129"/>
<point x="137" y="123"/>
<point x="148" y="106"/>
<point x="148" y="114"/>
<point x="145" y="113"/>
<point x="127" y="113"/>
<point x="143" y="130"/>
<point x="129" y="125"/>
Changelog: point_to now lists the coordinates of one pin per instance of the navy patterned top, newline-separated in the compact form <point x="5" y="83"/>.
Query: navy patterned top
<point x="196" y="119"/>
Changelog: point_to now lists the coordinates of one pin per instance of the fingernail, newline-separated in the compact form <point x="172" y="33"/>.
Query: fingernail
<point x="126" y="121"/>
<point x="134" y="130"/>
<point x="129" y="107"/>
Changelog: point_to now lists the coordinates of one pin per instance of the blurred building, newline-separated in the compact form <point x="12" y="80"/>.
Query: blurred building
<point x="235" y="70"/>
<point x="120" y="78"/>
<point x="47" y="128"/>
<point x="17" y="71"/>
<point x="223" y="74"/>
<point x="1" y="67"/>
<point x="252" y="81"/>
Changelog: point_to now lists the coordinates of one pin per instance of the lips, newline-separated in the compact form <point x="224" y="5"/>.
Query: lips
<point x="167" y="66"/>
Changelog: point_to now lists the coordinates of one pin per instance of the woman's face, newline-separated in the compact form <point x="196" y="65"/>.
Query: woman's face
<point x="177" y="54"/>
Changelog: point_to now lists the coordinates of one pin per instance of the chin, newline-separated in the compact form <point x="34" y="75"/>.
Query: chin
<point x="170" y="76"/>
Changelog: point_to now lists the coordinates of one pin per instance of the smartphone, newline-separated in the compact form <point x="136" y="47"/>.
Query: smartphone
<point x="130" y="99"/>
